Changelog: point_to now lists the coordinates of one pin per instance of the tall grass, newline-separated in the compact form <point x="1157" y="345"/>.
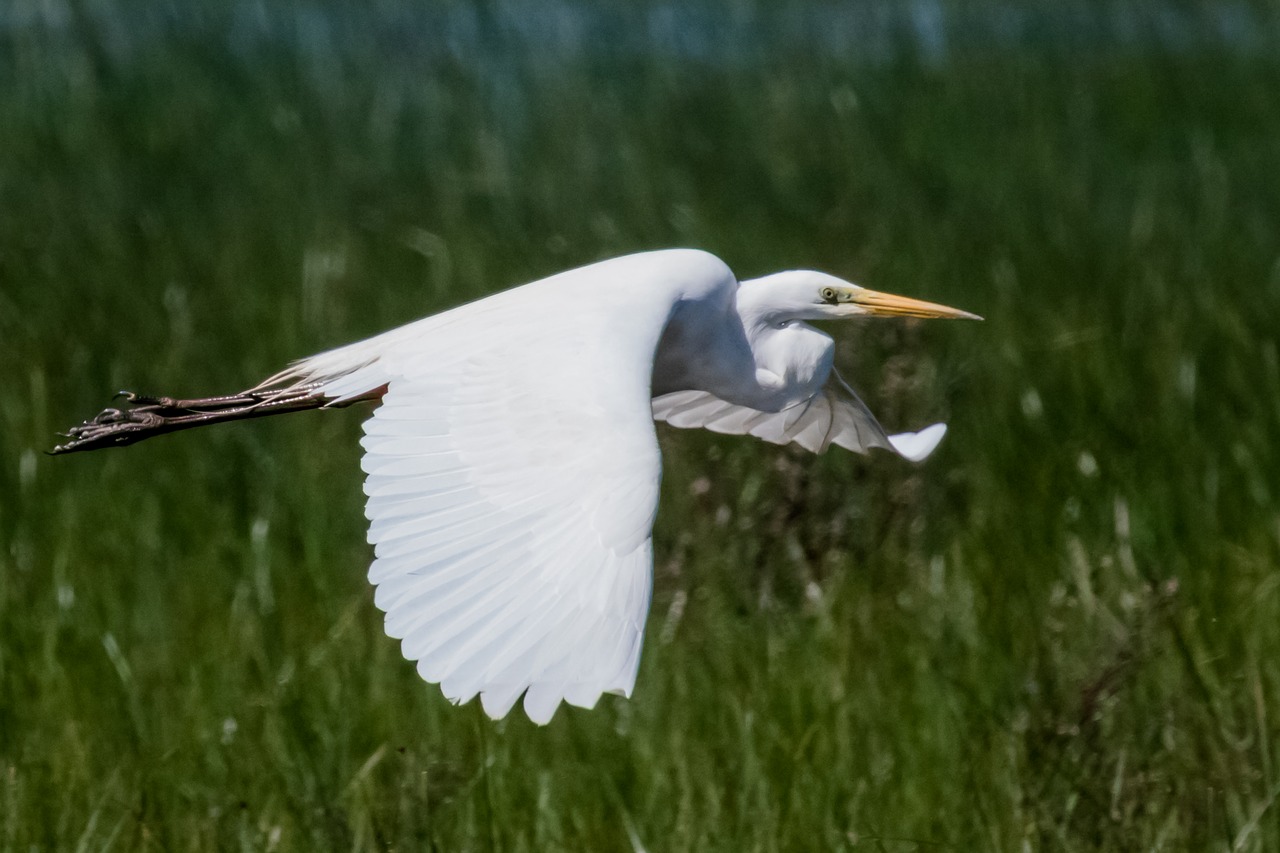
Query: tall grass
<point x="1059" y="633"/>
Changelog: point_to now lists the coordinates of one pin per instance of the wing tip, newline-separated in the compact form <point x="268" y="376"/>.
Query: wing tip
<point x="917" y="446"/>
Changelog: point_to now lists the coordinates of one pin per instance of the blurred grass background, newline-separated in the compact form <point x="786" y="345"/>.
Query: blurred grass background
<point x="1060" y="633"/>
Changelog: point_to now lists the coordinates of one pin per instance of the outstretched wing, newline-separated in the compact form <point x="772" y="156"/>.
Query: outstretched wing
<point x="834" y="416"/>
<point x="512" y="481"/>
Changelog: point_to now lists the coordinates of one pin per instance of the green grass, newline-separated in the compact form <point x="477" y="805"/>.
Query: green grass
<point x="1060" y="633"/>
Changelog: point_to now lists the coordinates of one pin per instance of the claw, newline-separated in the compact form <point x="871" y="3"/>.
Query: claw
<point x="149" y="400"/>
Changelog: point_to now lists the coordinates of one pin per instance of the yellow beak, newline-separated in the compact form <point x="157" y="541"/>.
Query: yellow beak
<point x="878" y="304"/>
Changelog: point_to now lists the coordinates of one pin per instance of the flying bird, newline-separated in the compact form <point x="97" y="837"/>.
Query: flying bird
<point x="512" y="466"/>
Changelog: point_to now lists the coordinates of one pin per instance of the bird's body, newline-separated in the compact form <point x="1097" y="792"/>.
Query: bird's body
<point x="513" y="468"/>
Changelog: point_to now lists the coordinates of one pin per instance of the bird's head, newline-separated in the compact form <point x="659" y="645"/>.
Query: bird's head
<point x="809" y="295"/>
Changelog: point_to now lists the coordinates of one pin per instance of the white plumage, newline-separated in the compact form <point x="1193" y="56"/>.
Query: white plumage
<point x="513" y="469"/>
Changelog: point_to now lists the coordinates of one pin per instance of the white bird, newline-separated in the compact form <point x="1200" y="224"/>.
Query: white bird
<point x="512" y="465"/>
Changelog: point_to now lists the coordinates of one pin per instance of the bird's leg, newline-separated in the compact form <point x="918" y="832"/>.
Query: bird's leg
<point x="243" y="398"/>
<point x="145" y="416"/>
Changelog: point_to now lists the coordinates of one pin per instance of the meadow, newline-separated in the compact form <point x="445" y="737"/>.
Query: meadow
<point x="1061" y="632"/>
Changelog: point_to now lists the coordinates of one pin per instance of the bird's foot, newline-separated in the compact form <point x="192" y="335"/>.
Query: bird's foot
<point x="145" y="415"/>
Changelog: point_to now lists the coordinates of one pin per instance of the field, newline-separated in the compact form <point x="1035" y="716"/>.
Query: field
<point x="1062" y="632"/>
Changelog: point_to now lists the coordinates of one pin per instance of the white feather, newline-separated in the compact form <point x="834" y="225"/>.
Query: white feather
<point x="834" y="416"/>
<point x="512" y="467"/>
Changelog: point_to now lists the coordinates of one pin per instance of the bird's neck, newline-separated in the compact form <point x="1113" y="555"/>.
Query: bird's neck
<point x="737" y="354"/>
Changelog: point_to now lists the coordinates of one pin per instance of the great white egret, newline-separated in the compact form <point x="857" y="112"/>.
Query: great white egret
<point x="512" y="465"/>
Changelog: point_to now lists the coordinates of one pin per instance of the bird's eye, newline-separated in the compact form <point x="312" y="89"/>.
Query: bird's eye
<point x="829" y="295"/>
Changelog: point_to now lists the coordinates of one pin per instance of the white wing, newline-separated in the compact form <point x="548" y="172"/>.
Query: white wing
<point x="834" y="416"/>
<point x="513" y="477"/>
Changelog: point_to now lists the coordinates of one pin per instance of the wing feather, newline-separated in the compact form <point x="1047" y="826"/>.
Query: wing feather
<point x="833" y="416"/>
<point x="512" y="480"/>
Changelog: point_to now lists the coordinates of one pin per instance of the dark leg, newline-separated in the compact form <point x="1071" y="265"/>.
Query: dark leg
<point x="145" y="416"/>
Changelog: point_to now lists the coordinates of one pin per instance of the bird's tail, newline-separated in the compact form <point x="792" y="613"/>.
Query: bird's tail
<point x="143" y="416"/>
